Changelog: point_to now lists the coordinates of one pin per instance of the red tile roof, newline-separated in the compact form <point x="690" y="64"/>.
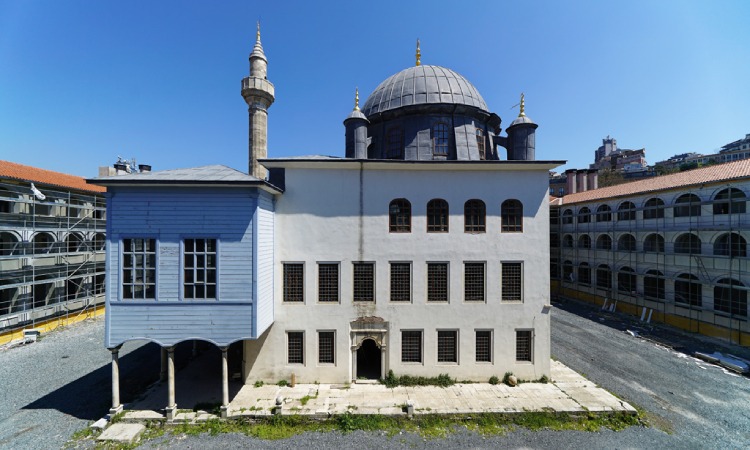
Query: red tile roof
<point x="711" y="174"/>
<point x="32" y="174"/>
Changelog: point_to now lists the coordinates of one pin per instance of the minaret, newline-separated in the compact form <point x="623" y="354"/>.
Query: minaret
<point x="521" y="143"/>
<point x="356" y="131"/>
<point x="258" y="92"/>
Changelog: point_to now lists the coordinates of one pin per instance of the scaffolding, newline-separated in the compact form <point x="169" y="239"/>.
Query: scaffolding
<point x="52" y="243"/>
<point x="716" y="265"/>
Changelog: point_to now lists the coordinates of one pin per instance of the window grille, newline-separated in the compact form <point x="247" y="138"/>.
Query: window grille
<point x="437" y="282"/>
<point x="294" y="282"/>
<point x="447" y="346"/>
<point x="484" y="346"/>
<point x="326" y="351"/>
<point x="295" y="353"/>
<point x="364" y="282"/>
<point x="474" y="216"/>
<point x="512" y="216"/>
<point x="437" y="216"/>
<point x="512" y="280"/>
<point x="411" y="346"/>
<point x="328" y="282"/>
<point x="474" y="282"/>
<point x="400" y="282"/>
<point x="139" y="268"/>
<point x="523" y="345"/>
<point x="399" y="212"/>
<point x="200" y="268"/>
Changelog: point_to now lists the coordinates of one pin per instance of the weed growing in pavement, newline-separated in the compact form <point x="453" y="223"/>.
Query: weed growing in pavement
<point x="258" y="384"/>
<point x="282" y="383"/>
<point x="494" y="379"/>
<point x="210" y="407"/>
<point x="442" y="380"/>
<point x="506" y="378"/>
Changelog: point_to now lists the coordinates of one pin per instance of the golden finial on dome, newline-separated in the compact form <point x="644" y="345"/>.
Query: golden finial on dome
<point x="356" y="99"/>
<point x="523" y="106"/>
<point x="419" y="54"/>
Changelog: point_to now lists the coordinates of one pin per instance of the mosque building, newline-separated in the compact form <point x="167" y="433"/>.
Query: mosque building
<point x="423" y="250"/>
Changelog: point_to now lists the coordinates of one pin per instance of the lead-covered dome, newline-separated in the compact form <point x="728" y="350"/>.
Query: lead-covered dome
<point x="420" y="85"/>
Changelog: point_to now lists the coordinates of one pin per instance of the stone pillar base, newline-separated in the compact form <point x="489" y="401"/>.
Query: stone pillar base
<point x="224" y="412"/>
<point x="171" y="412"/>
<point x="113" y="411"/>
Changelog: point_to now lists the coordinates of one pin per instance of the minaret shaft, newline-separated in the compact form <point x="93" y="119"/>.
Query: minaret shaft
<point x="258" y="93"/>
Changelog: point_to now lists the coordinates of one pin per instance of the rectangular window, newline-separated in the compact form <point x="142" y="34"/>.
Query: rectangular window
<point x="400" y="282"/>
<point x="523" y="345"/>
<point x="328" y="283"/>
<point x="295" y="347"/>
<point x="199" y="256"/>
<point x="326" y="347"/>
<point x="512" y="283"/>
<point x="447" y="347"/>
<point x="411" y="346"/>
<point x="474" y="282"/>
<point x="437" y="282"/>
<point x="364" y="282"/>
<point x="138" y="269"/>
<point x="484" y="346"/>
<point x="294" y="281"/>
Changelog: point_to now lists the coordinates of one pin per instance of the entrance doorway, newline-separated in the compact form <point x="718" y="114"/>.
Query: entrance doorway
<point x="369" y="360"/>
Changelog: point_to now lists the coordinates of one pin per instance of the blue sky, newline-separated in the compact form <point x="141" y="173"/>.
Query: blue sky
<point x="82" y="82"/>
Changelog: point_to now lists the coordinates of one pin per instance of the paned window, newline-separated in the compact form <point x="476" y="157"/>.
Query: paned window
<point x="400" y="282"/>
<point x="447" y="346"/>
<point x="584" y="215"/>
<point x="440" y="139"/>
<point x="626" y="280"/>
<point x="328" y="282"/>
<point x="730" y="201"/>
<point x="688" y="290"/>
<point x="687" y="243"/>
<point x="584" y="273"/>
<point x="603" y="277"/>
<point x="568" y="271"/>
<point x="654" y="243"/>
<point x="295" y="347"/>
<point x="364" y="282"/>
<point x="437" y="282"/>
<point x="730" y="244"/>
<point x="395" y="144"/>
<point x="626" y="211"/>
<point x="399" y="212"/>
<point x="474" y="216"/>
<point x="138" y="269"/>
<point x="626" y="243"/>
<point x="523" y="345"/>
<point x="411" y="346"/>
<point x="294" y="281"/>
<point x="653" y="285"/>
<point x="512" y="281"/>
<point x="483" y="346"/>
<point x="474" y="282"/>
<point x="437" y="216"/>
<point x="199" y="258"/>
<point x="481" y="144"/>
<point x="568" y="241"/>
<point x="604" y="213"/>
<point x="511" y="212"/>
<point x="730" y="296"/>
<point x="567" y="217"/>
<point x="584" y="241"/>
<point x="653" y="209"/>
<point x="326" y="347"/>
<point x="687" y="205"/>
<point x="604" y="242"/>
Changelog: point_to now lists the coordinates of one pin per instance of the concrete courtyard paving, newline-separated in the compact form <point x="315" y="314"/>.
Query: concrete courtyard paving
<point x="568" y="392"/>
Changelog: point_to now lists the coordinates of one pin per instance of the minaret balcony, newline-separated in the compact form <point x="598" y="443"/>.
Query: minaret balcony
<point x="257" y="87"/>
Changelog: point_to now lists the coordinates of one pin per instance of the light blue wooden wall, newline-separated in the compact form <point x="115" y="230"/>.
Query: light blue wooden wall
<point x="265" y="265"/>
<point x="169" y="215"/>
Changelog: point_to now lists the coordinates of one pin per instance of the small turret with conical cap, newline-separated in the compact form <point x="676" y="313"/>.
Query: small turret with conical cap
<point x="258" y="93"/>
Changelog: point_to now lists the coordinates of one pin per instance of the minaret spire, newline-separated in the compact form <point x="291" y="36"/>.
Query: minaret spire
<point x="419" y="54"/>
<point x="356" y="99"/>
<point x="522" y="113"/>
<point x="258" y="93"/>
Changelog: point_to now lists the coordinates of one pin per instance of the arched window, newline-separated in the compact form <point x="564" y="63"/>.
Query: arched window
<point x="75" y="208"/>
<point x="474" y="216"/>
<point x="6" y="206"/>
<point x="440" y="139"/>
<point x="730" y="296"/>
<point x="511" y="212"/>
<point x="626" y="211"/>
<point x="400" y="216"/>
<point x="568" y="271"/>
<point x="730" y="244"/>
<point x="626" y="243"/>
<point x="480" y="143"/>
<point x="99" y="242"/>
<point x="687" y="205"/>
<point x="584" y="215"/>
<point x="687" y="243"/>
<point x="73" y="242"/>
<point x="395" y="144"/>
<point x="604" y="242"/>
<point x="730" y="200"/>
<point x="653" y="285"/>
<point x="42" y="243"/>
<point x="8" y="244"/>
<point x="437" y="216"/>
<point x="568" y="241"/>
<point x="567" y="217"/>
<point x="654" y="243"/>
<point x="584" y="273"/>
<point x="584" y="241"/>
<point x="688" y="290"/>
<point x="653" y="209"/>
<point x="626" y="280"/>
<point x="604" y="213"/>
<point x="603" y="277"/>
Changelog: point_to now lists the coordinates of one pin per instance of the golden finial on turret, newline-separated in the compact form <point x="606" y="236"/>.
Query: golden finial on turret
<point x="523" y="106"/>
<point x="257" y="34"/>
<point x="356" y="99"/>
<point x="419" y="55"/>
